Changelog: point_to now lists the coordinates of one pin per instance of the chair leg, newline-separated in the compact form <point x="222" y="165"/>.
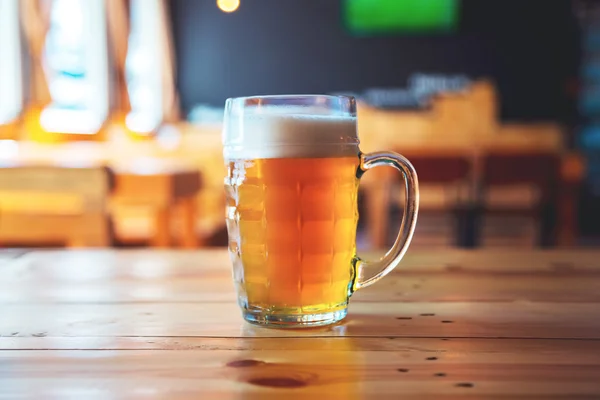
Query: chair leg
<point x="162" y="228"/>
<point x="378" y="210"/>
<point x="567" y="229"/>
<point x="189" y="236"/>
<point x="468" y="222"/>
<point x="547" y="226"/>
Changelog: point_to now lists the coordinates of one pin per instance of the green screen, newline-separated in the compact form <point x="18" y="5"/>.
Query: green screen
<point x="400" y="16"/>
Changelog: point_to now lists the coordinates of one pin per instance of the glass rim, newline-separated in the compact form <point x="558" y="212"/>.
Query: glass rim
<point x="341" y="105"/>
<point x="291" y="97"/>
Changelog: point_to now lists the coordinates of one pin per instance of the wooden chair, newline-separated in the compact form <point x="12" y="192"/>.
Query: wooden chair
<point x="55" y="205"/>
<point x="163" y="186"/>
<point x="451" y="172"/>
<point x="520" y="184"/>
<point x="166" y="189"/>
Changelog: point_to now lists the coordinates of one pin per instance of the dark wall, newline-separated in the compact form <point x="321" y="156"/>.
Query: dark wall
<point x="529" y="47"/>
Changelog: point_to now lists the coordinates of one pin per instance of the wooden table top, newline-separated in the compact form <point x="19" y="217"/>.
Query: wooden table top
<point x="164" y="324"/>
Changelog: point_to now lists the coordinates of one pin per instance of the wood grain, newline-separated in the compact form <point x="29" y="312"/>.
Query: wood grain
<point x="140" y="276"/>
<point x="151" y="282"/>
<point x="477" y="320"/>
<point x="345" y="370"/>
<point x="503" y="350"/>
<point x="447" y="324"/>
<point x="196" y="262"/>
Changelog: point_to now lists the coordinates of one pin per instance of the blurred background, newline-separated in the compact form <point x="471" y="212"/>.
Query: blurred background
<point x="111" y="111"/>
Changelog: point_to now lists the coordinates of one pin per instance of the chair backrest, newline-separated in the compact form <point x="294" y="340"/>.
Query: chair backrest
<point x="540" y="170"/>
<point x="446" y="187"/>
<point x="441" y="168"/>
<point x="43" y="205"/>
<point x="521" y="187"/>
<point x="44" y="189"/>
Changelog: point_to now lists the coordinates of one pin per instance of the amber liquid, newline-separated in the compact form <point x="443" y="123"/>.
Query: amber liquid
<point x="292" y="232"/>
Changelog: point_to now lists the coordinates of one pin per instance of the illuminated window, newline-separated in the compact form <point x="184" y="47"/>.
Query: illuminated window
<point x="11" y="80"/>
<point x="76" y="65"/>
<point x="143" y="66"/>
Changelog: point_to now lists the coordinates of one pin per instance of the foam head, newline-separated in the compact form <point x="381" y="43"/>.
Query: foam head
<point x="288" y="131"/>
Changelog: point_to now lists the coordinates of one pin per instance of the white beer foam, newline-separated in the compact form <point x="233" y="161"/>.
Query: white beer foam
<point x="280" y="132"/>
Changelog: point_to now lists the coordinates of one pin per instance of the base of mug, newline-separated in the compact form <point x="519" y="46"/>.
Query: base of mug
<point x="294" y="320"/>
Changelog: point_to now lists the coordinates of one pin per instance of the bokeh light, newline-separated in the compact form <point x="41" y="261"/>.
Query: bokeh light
<point x="228" y="5"/>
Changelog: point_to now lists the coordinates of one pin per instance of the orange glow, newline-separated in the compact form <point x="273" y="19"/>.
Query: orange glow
<point x="228" y="5"/>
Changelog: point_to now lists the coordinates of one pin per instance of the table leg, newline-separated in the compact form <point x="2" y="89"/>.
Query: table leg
<point x="567" y="216"/>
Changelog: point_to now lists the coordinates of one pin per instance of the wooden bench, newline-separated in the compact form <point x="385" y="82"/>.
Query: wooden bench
<point x="55" y="204"/>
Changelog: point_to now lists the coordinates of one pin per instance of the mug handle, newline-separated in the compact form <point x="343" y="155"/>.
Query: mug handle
<point x="363" y="270"/>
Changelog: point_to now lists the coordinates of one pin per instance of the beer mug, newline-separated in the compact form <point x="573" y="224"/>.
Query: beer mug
<point x="293" y="169"/>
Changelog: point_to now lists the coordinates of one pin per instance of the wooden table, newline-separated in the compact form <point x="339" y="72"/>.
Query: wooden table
<point x="164" y="324"/>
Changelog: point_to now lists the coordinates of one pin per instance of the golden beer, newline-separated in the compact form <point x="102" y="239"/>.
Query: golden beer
<point x="293" y="168"/>
<point x="292" y="231"/>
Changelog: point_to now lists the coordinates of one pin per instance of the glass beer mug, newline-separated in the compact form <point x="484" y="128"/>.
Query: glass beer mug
<point x="293" y="169"/>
